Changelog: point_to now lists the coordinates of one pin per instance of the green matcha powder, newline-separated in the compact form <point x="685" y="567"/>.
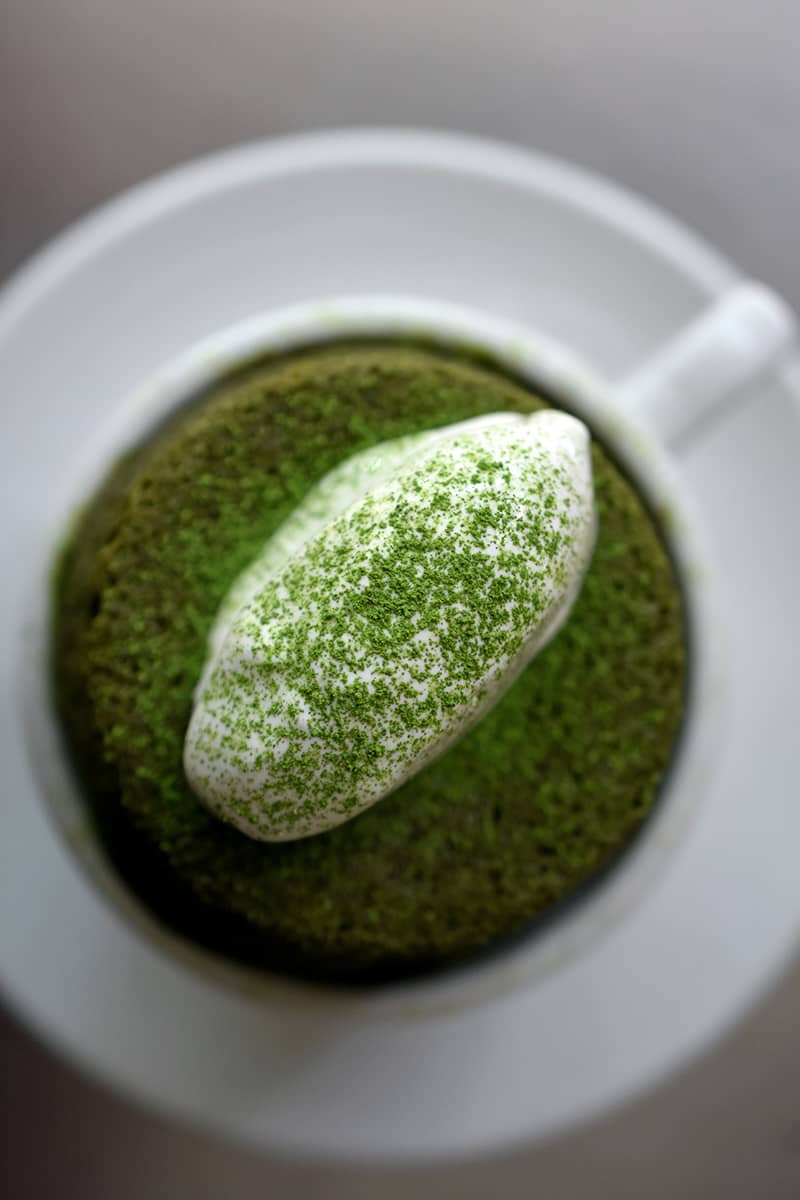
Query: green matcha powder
<point x="517" y="817"/>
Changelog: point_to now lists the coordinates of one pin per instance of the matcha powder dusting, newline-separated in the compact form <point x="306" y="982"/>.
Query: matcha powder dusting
<point x="396" y="627"/>
<point x="515" y="816"/>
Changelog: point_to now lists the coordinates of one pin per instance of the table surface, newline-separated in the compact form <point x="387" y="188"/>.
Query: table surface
<point x="695" y="104"/>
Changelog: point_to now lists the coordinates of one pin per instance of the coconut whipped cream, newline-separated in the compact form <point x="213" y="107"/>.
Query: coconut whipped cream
<point x="386" y="616"/>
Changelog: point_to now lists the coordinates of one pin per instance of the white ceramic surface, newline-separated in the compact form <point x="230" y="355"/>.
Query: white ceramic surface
<point x="544" y="363"/>
<point x="670" y="973"/>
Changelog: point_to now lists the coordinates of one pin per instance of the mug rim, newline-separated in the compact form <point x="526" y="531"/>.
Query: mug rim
<point x="537" y="360"/>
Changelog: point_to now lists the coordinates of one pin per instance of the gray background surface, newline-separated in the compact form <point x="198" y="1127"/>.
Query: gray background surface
<point x="695" y="103"/>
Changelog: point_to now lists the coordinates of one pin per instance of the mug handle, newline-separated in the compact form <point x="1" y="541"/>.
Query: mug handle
<point x="740" y="335"/>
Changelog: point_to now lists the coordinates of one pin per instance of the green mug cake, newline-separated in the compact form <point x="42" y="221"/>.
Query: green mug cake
<point x="425" y="822"/>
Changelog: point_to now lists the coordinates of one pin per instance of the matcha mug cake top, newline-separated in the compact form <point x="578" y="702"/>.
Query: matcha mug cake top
<point x="539" y="364"/>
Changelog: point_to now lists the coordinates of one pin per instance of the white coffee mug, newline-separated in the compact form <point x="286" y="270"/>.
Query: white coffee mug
<point x="680" y="386"/>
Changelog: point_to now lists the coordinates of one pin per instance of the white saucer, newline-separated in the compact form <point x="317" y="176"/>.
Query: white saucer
<point x="451" y="219"/>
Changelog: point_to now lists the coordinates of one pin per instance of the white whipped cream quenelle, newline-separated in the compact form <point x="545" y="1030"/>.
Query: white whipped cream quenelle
<point x="386" y="616"/>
